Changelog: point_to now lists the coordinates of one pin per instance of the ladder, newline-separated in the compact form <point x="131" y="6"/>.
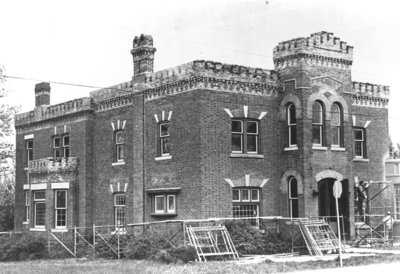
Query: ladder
<point x="211" y="241"/>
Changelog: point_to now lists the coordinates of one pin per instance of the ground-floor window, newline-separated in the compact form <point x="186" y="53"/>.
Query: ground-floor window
<point x="164" y="204"/>
<point x="119" y="209"/>
<point x="293" y="198"/>
<point x="27" y="205"/>
<point x="246" y="204"/>
<point x="39" y="199"/>
<point x="61" y="208"/>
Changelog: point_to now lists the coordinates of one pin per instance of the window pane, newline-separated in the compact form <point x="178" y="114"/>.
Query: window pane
<point x="291" y="114"/>
<point x="317" y="113"/>
<point x="61" y="216"/>
<point x="358" y="148"/>
<point x="57" y="142"/>
<point x="255" y="195"/>
<point x="293" y="188"/>
<point x="66" y="152"/>
<point x="252" y="127"/>
<point x="292" y="135"/>
<point x="243" y="211"/>
<point x="119" y="137"/>
<point x="57" y="153"/>
<point x="316" y="131"/>
<point x="66" y="140"/>
<point x="159" y="203"/>
<point x="335" y="135"/>
<point x="237" y="126"/>
<point x="236" y="142"/>
<point x="252" y="143"/>
<point x="29" y="144"/>
<point x="164" y="130"/>
<point x="171" y="203"/>
<point x="120" y="215"/>
<point x="236" y="195"/>
<point x="120" y="152"/>
<point x="120" y="199"/>
<point x="358" y="134"/>
<point x="245" y="195"/>
<point x="61" y="199"/>
<point x="335" y="115"/>
<point x="40" y="214"/>
<point x="39" y="195"/>
<point x="165" y="145"/>
<point x="294" y="208"/>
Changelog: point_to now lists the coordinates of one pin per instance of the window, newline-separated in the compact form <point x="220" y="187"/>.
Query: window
<point x="119" y="146"/>
<point x="66" y="146"/>
<point x="39" y="198"/>
<point x="29" y="150"/>
<point x="56" y="147"/>
<point x="293" y="198"/>
<point x="244" y="136"/>
<point x="165" y="204"/>
<point x="119" y="209"/>
<point x="291" y="124"/>
<point x="165" y="148"/>
<point x="397" y="201"/>
<point x="318" y="120"/>
<point x="359" y="143"/>
<point x="246" y="202"/>
<point x="27" y="205"/>
<point x="337" y="125"/>
<point x="61" y="208"/>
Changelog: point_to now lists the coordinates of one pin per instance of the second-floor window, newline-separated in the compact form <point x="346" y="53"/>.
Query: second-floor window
<point x="57" y="147"/>
<point x="66" y="146"/>
<point x="165" y="148"/>
<point x="318" y="120"/>
<point x="291" y="124"/>
<point x="337" y="125"/>
<point x="245" y="136"/>
<point x="360" y="149"/>
<point x="119" y="146"/>
<point x="119" y="209"/>
<point x="29" y="149"/>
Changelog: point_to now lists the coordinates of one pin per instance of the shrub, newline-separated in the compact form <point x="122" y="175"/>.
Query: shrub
<point x="146" y="246"/>
<point x="23" y="247"/>
<point x="183" y="253"/>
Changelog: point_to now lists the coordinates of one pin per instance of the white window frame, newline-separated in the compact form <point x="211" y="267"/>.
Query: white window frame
<point x="165" y="204"/>
<point x="119" y="144"/>
<point x="244" y="134"/>
<point x="291" y="126"/>
<point x="27" y="206"/>
<point x="156" y="210"/>
<point x="248" y="195"/>
<point x="239" y="192"/>
<point x="29" y="149"/>
<point x="291" y="199"/>
<point x="173" y="210"/>
<point x="56" y="148"/>
<point x="337" y="128"/>
<point x="66" y="147"/>
<point x="36" y="202"/>
<point x="118" y="207"/>
<point x="362" y="141"/>
<point x="62" y="208"/>
<point x="320" y="124"/>
<point x="241" y="136"/>
<point x="164" y="137"/>
<point x="251" y="195"/>
<point x="252" y="134"/>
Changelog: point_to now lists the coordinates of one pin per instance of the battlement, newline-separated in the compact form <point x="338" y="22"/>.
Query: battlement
<point x="142" y="41"/>
<point x="322" y="43"/>
<point x="372" y="90"/>
<point x="48" y="112"/>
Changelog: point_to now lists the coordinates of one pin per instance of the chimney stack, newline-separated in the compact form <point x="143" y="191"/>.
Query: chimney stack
<point x="143" y="54"/>
<point x="42" y="94"/>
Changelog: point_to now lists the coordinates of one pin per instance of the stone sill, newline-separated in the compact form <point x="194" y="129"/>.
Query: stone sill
<point x="162" y="158"/>
<point x="25" y="223"/>
<point x="319" y="148"/>
<point x="59" y="230"/>
<point x="338" y="149"/>
<point x="361" y="160"/>
<point x="291" y="148"/>
<point x="120" y="232"/>
<point x="38" y="229"/>
<point x="246" y="155"/>
<point x="118" y="163"/>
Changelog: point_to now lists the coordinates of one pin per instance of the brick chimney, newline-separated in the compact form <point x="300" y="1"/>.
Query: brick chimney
<point x="143" y="54"/>
<point x="42" y="94"/>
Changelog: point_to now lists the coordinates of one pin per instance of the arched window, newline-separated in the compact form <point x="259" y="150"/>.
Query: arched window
<point x="318" y="120"/>
<point x="337" y="125"/>
<point x="293" y="198"/>
<point x="291" y="124"/>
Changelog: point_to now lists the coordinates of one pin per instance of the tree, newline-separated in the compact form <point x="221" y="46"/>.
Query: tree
<point x="394" y="152"/>
<point x="7" y="158"/>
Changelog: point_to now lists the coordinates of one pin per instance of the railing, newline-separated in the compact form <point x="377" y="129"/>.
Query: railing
<point x="53" y="165"/>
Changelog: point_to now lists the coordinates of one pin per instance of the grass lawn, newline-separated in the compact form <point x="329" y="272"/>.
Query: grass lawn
<point x="129" y="266"/>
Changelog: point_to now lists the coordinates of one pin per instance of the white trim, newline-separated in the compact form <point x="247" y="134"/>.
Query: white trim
<point x="249" y="194"/>
<point x="60" y="230"/>
<point x="60" y="185"/>
<point x="356" y="159"/>
<point x="230" y="182"/>
<point x="246" y="155"/>
<point x="354" y="120"/>
<point x="264" y="182"/>
<point x="113" y="126"/>
<point x="156" y="117"/>
<point x="163" y="115"/>
<point x="334" y="148"/>
<point x="163" y="211"/>
<point x="123" y="124"/>
<point x="122" y="162"/>
<point x="65" y="128"/>
<point x="173" y="211"/>
<point x="29" y="136"/>
<point x="247" y="178"/>
<point x="165" y="157"/>
<point x="317" y="147"/>
<point x="169" y="115"/>
<point x="262" y="114"/>
<point x="290" y="148"/>
<point x="228" y="111"/>
<point x="112" y="188"/>
<point x="367" y="124"/>
<point x="238" y="190"/>
<point x="55" y="130"/>
<point x="26" y="187"/>
<point x="245" y="111"/>
<point x="38" y="186"/>
<point x="118" y="124"/>
<point x="25" y="222"/>
<point x="37" y="229"/>
<point x="119" y="187"/>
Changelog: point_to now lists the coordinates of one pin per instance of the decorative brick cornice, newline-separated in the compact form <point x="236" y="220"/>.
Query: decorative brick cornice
<point x="311" y="59"/>
<point x="209" y="83"/>
<point x="369" y="101"/>
<point x="115" y="102"/>
<point x="370" y="95"/>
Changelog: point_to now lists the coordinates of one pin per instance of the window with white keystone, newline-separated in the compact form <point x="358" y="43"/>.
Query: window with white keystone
<point x="245" y="136"/>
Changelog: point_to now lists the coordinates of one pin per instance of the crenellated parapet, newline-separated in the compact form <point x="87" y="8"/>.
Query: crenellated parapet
<point x="322" y="48"/>
<point x="49" y="112"/>
<point x="370" y="95"/>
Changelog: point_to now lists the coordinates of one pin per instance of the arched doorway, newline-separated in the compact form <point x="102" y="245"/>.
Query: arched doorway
<point x="327" y="203"/>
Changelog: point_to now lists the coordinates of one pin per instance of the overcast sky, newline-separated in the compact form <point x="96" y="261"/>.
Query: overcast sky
<point x="89" y="42"/>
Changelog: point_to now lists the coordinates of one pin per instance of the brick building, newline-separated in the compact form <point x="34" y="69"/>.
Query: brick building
<point x="204" y="139"/>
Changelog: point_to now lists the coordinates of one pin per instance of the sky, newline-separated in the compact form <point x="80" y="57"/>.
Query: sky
<point x="89" y="42"/>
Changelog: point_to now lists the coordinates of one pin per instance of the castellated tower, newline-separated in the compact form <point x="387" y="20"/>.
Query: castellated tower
<point x="42" y="94"/>
<point x="143" y="54"/>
